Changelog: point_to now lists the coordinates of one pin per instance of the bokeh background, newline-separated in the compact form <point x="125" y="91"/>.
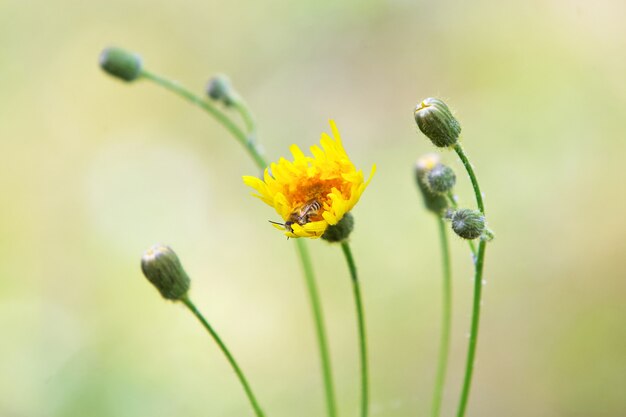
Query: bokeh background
<point x="93" y="171"/>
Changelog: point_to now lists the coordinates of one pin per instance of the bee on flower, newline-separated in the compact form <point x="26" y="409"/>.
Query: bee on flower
<point x="311" y="193"/>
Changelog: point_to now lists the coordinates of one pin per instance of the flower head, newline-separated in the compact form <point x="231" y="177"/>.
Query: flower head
<point x="161" y="266"/>
<point x="435" y="120"/>
<point x="311" y="193"/>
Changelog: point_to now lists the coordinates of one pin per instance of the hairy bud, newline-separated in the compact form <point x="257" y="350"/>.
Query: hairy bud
<point x="436" y="121"/>
<point x="468" y="224"/>
<point x="424" y="165"/>
<point x="441" y="179"/>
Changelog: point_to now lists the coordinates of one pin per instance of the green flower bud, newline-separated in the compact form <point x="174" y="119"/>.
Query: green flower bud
<point x="340" y="231"/>
<point x="424" y="165"/>
<point x="121" y="64"/>
<point x="219" y="88"/>
<point x="436" y="121"/>
<point x="440" y="179"/>
<point x="469" y="224"/>
<point x="161" y="266"/>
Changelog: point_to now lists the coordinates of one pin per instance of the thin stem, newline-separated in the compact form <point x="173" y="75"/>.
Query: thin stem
<point x="319" y="327"/>
<point x="361" y="324"/>
<point x="478" y="285"/>
<point x="242" y="107"/>
<point x="444" y="344"/>
<point x="220" y="116"/>
<point x="229" y="356"/>
<point x="455" y="205"/>
<point x="248" y="141"/>
<point x="471" y="351"/>
<point x="470" y="171"/>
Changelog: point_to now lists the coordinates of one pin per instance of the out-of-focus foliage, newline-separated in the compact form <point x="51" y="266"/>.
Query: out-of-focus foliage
<point x="93" y="171"/>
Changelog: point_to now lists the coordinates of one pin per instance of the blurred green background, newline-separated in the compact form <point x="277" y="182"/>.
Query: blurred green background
<point x="93" y="171"/>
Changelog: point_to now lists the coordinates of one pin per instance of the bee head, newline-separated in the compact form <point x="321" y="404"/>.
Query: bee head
<point x="286" y="225"/>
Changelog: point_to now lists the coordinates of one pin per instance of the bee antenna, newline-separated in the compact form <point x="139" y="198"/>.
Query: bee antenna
<point x="279" y="224"/>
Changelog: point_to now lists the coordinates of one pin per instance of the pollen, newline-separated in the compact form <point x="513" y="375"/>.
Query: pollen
<point x="311" y="192"/>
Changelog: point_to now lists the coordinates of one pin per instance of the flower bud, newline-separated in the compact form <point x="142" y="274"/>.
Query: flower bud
<point x="340" y="231"/>
<point x="120" y="63"/>
<point x="436" y="121"/>
<point x="440" y="179"/>
<point x="219" y="88"/>
<point x="424" y="165"/>
<point x="469" y="224"/>
<point x="161" y="266"/>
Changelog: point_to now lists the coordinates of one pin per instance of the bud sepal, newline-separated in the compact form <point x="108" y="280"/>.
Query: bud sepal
<point x="340" y="231"/>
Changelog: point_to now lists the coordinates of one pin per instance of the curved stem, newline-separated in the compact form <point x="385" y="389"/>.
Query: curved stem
<point x="478" y="285"/>
<point x="319" y="327"/>
<point x="249" y="143"/>
<point x="470" y="171"/>
<point x="471" y="351"/>
<point x="229" y="356"/>
<point x="242" y="107"/>
<point x="361" y="324"/>
<point x="213" y="111"/>
<point x="444" y="344"/>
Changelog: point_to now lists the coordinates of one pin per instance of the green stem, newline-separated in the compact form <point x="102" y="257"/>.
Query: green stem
<point x="444" y="344"/>
<point x="242" y="107"/>
<point x="478" y="285"/>
<point x="319" y="326"/>
<point x="249" y="143"/>
<point x="229" y="356"/>
<point x="455" y="205"/>
<point x="470" y="171"/>
<point x="220" y="116"/>
<point x="361" y="324"/>
<point x="471" y="351"/>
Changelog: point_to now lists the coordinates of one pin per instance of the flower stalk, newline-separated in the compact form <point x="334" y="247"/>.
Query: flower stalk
<point x="162" y="267"/>
<point x="446" y="320"/>
<point x="210" y="108"/>
<point x="345" y="246"/>
<point x="470" y="172"/>
<point x="135" y="70"/>
<point x="436" y="121"/>
<point x="471" y="350"/>
<point x="478" y="285"/>
<point x="316" y="305"/>
<point x="244" y="382"/>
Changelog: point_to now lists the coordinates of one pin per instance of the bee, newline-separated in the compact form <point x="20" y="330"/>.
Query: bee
<point x="301" y="215"/>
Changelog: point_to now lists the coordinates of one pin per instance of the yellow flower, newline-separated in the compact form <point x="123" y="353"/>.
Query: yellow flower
<point x="312" y="193"/>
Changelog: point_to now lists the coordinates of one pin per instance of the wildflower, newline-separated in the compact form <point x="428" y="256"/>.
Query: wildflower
<point x="121" y="64"/>
<point x="468" y="224"/>
<point x="434" y="202"/>
<point x="163" y="269"/>
<point x="219" y="88"/>
<point x="436" y="121"/>
<point x="312" y="193"/>
<point x="441" y="179"/>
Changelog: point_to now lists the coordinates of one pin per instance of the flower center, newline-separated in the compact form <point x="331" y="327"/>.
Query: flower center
<point x="307" y="190"/>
